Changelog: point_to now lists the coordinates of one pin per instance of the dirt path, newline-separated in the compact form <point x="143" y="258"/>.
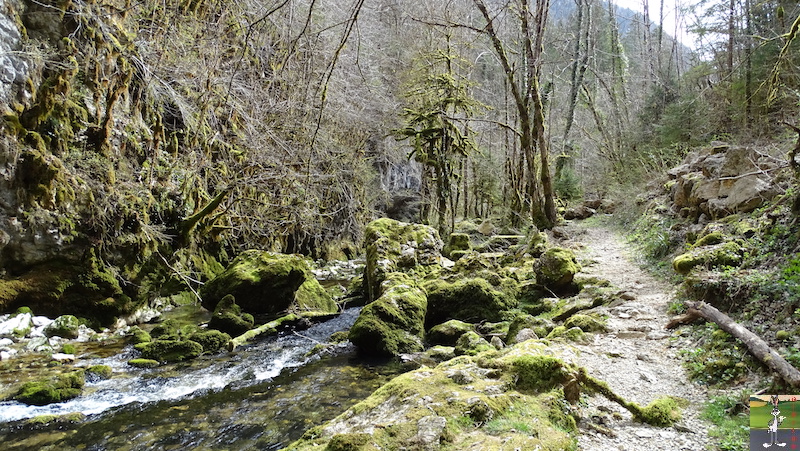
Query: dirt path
<point x="637" y="357"/>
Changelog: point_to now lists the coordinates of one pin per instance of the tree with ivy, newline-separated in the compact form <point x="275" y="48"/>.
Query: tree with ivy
<point x="438" y="107"/>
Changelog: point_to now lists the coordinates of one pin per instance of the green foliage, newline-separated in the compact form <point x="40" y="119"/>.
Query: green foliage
<point x="719" y="361"/>
<point x="731" y="424"/>
<point x="568" y="185"/>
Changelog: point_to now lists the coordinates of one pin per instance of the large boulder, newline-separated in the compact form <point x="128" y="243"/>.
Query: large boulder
<point x="394" y="246"/>
<point x="471" y="300"/>
<point x="556" y="268"/>
<point x="394" y="323"/>
<point x="61" y="388"/>
<point x="725" y="254"/>
<point x="268" y="283"/>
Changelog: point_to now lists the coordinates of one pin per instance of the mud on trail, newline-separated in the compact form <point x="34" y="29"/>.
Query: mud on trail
<point x="637" y="356"/>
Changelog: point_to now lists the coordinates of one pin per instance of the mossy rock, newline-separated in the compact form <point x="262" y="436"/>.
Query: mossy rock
<point x="448" y="332"/>
<point x="470" y="300"/>
<point x="537" y="244"/>
<point x="98" y="372"/>
<point x="137" y="335"/>
<point x="268" y="283"/>
<point x="65" y="326"/>
<point x="348" y="442"/>
<point x="394" y="323"/>
<point x="170" y="350"/>
<point x="663" y="412"/>
<point x="58" y="389"/>
<point x="458" y="242"/>
<point x="538" y="373"/>
<point x="540" y="326"/>
<point x="471" y="343"/>
<point x="556" y="268"/>
<point x="586" y="323"/>
<point x="570" y="334"/>
<point x="725" y="254"/>
<point x="210" y="340"/>
<point x="143" y="363"/>
<point x="394" y="246"/>
<point x="62" y="287"/>
<point x="228" y="317"/>
<point x="716" y="237"/>
<point x="166" y="330"/>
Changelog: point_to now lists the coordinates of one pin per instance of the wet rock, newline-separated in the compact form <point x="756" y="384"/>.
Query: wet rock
<point x="61" y="388"/>
<point x="229" y="318"/>
<point x="16" y="325"/>
<point x="170" y="350"/>
<point x="268" y="283"/>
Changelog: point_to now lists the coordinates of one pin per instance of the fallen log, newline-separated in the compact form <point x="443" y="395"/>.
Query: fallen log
<point x="758" y="347"/>
<point x="272" y="326"/>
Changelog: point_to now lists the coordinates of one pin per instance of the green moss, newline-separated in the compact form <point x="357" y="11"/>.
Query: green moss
<point x="143" y="363"/>
<point x="68" y="349"/>
<point x="540" y="326"/>
<point x="24" y="310"/>
<point x="170" y="350"/>
<point x="537" y="373"/>
<point x="65" y="326"/>
<point x="210" y="340"/>
<point x="99" y="371"/>
<point x="471" y="343"/>
<point x="556" y="268"/>
<point x="448" y="332"/>
<point x="394" y="323"/>
<point x="58" y="389"/>
<point x="586" y="323"/>
<point x="782" y="335"/>
<point x="167" y="330"/>
<point x="268" y="283"/>
<point x="136" y="335"/>
<point x="571" y="334"/>
<point x="725" y="254"/>
<point x="348" y="442"/>
<point x="228" y="317"/>
<point x="712" y="238"/>
<point x="459" y="242"/>
<point x="471" y="300"/>
<point x="663" y="412"/>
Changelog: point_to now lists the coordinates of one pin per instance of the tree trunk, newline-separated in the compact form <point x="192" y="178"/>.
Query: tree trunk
<point x="754" y="344"/>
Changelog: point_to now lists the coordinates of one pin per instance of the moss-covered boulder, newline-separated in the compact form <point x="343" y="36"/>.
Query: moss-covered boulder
<point x="170" y="350"/>
<point x="83" y="287"/>
<point x="394" y="323"/>
<point x="98" y="372"/>
<point x="59" y="389"/>
<point x="137" y="335"/>
<point x="570" y="334"/>
<point x="540" y="326"/>
<point x="724" y="254"/>
<point x="471" y="343"/>
<point x="210" y="340"/>
<point x="228" y="317"/>
<point x="268" y="283"/>
<point x="65" y="326"/>
<point x="556" y="268"/>
<point x="143" y="363"/>
<point x="394" y="246"/>
<point x="458" y="243"/>
<point x="586" y="323"/>
<point x="448" y="332"/>
<point x="471" y="300"/>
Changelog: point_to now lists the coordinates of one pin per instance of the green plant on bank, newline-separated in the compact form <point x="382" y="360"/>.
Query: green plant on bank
<point x="731" y="426"/>
<point x="718" y="360"/>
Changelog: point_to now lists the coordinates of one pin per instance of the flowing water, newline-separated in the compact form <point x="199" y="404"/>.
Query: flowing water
<point x="260" y="397"/>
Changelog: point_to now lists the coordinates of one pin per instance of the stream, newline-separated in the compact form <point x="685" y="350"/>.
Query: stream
<point x="262" y="396"/>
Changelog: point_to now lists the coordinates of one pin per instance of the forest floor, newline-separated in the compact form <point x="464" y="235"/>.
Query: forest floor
<point x="637" y="357"/>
